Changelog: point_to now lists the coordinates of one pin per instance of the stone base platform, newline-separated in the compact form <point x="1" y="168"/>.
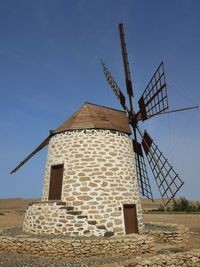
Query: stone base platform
<point x="160" y="238"/>
<point x="78" y="247"/>
<point x="55" y="217"/>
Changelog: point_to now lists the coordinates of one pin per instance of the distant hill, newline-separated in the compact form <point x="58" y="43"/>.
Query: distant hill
<point x="149" y="205"/>
<point x="15" y="203"/>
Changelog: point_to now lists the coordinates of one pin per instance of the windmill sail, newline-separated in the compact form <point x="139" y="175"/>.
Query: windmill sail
<point x="167" y="179"/>
<point x="40" y="147"/>
<point x="142" y="176"/>
<point x="117" y="91"/>
<point x="153" y="102"/>
<point x="127" y="72"/>
<point x="154" y="99"/>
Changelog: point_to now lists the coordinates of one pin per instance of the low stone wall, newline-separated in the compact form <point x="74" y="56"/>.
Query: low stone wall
<point x="114" y="246"/>
<point x="167" y="233"/>
<point x="186" y="259"/>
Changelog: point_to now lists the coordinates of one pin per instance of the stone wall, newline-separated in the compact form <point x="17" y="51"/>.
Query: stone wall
<point x="182" y="259"/>
<point x="57" y="218"/>
<point x="167" y="233"/>
<point x="99" y="177"/>
<point x="118" y="246"/>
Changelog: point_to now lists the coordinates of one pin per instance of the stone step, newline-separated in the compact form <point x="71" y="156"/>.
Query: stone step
<point x="61" y="203"/>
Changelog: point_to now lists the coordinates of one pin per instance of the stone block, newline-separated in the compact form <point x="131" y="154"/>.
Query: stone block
<point x="85" y="207"/>
<point x="117" y="221"/>
<point x="108" y="234"/>
<point x="117" y="229"/>
<point x="93" y="211"/>
<point x="97" y="217"/>
<point x="85" y="189"/>
<point x="82" y="217"/>
<point x="73" y="212"/>
<point x="102" y="227"/>
<point x="93" y="184"/>
<point x="84" y="198"/>
<point x="78" y="203"/>
<point x="84" y="178"/>
<point x="92" y="222"/>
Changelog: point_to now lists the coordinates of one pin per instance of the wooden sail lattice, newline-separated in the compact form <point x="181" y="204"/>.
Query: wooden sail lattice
<point x="117" y="91"/>
<point x="154" y="99"/>
<point x="142" y="175"/>
<point x="168" y="181"/>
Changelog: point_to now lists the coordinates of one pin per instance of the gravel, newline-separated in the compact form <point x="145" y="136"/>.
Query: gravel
<point x="12" y="260"/>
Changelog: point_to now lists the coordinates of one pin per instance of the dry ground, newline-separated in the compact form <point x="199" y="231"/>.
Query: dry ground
<point x="12" y="214"/>
<point x="190" y="220"/>
<point x="12" y="211"/>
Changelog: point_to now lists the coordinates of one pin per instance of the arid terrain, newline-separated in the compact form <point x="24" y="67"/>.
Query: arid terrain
<point x="191" y="220"/>
<point x="12" y="213"/>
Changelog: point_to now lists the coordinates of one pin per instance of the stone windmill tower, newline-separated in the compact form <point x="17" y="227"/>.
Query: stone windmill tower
<point x="90" y="185"/>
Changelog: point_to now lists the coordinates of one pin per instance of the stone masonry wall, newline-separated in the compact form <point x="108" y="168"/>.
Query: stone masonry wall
<point x="118" y="246"/>
<point x="168" y="233"/>
<point x="182" y="259"/>
<point x="57" y="218"/>
<point x="99" y="175"/>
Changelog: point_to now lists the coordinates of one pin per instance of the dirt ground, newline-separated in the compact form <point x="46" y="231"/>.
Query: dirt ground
<point x="11" y="218"/>
<point x="190" y="220"/>
<point x="12" y="214"/>
<point x="12" y="211"/>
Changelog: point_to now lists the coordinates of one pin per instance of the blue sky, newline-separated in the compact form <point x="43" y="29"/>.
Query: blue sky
<point x="50" y="65"/>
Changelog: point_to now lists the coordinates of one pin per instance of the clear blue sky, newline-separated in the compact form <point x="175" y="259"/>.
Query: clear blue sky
<point x="50" y="64"/>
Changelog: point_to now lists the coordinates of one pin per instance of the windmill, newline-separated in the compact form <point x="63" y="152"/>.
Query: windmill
<point x="90" y="185"/>
<point x="153" y="102"/>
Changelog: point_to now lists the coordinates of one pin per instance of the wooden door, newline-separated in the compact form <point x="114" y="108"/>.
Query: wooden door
<point x="56" y="177"/>
<point x="130" y="219"/>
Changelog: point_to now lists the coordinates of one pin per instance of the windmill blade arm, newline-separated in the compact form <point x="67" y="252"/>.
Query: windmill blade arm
<point x="40" y="147"/>
<point x="139" y="117"/>
<point x="117" y="91"/>
<point x="167" y="180"/>
<point x="142" y="176"/>
<point x="127" y="72"/>
<point x="154" y="99"/>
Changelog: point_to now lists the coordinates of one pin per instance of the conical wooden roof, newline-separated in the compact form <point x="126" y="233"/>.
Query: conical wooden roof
<point x="91" y="116"/>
